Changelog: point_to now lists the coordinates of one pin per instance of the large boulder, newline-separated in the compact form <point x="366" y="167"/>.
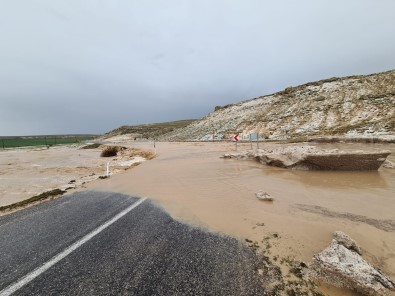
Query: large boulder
<point x="341" y="265"/>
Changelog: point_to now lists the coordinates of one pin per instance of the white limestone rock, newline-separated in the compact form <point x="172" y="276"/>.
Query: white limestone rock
<point x="341" y="265"/>
<point x="347" y="241"/>
<point x="261" y="195"/>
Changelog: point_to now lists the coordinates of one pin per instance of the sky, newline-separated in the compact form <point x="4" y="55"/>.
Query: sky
<point x="89" y="66"/>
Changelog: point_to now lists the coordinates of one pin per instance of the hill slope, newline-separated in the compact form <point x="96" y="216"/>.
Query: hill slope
<point x="146" y="131"/>
<point x="355" y="105"/>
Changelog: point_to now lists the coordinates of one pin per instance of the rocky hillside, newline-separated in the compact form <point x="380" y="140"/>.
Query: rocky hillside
<point x="349" y="106"/>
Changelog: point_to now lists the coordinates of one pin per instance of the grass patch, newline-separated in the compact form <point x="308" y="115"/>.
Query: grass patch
<point x="42" y="196"/>
<point x="26" y="141"/>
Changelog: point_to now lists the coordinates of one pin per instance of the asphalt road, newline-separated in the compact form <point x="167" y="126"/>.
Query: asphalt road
<point x="75" y="246"/>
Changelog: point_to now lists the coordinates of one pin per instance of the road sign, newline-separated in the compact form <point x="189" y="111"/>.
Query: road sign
<point x="236" y="137"/>
<point x="254" y="137"/>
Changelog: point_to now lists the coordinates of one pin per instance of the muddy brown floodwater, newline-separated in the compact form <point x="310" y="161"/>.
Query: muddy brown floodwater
<point x="195" y="185"/>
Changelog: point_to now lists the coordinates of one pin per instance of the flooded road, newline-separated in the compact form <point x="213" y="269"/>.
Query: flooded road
<point x="194" y="184"/>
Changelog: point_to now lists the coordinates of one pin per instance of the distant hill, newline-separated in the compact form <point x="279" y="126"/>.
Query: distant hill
<point x="349" y="106"/>
<point x="148" y="131"/>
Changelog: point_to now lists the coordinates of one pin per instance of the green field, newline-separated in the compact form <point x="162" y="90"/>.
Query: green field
<point x="12" y="142"/>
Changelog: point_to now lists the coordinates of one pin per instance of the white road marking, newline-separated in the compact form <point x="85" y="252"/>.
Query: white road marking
<point x="35" y="273"/>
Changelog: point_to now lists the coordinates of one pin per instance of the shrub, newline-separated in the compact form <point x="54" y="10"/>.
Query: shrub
<point x="110" y="151"/>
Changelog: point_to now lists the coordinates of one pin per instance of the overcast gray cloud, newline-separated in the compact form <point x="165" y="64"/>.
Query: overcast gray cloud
<point x="79" y="66"/>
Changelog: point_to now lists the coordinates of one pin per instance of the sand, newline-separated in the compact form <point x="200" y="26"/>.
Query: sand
<point x="26" y="172"/>
<point x="195" y="185"/>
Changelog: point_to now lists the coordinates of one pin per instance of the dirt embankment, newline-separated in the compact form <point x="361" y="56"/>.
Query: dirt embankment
<point x="311" y="158"/>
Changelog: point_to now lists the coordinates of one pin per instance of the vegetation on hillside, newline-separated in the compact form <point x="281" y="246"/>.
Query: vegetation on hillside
<point x="149" y="131"/>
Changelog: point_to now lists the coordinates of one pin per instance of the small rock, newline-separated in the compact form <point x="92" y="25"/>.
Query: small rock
<point x="261" y="195"/>
<point x="389" y="164"/>
<point x="72" y="181"/>
<point x="320" y="98"/>
<point x="238" y="156"/>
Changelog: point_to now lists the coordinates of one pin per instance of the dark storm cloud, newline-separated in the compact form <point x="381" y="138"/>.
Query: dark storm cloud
<point x="89" y="66"/>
